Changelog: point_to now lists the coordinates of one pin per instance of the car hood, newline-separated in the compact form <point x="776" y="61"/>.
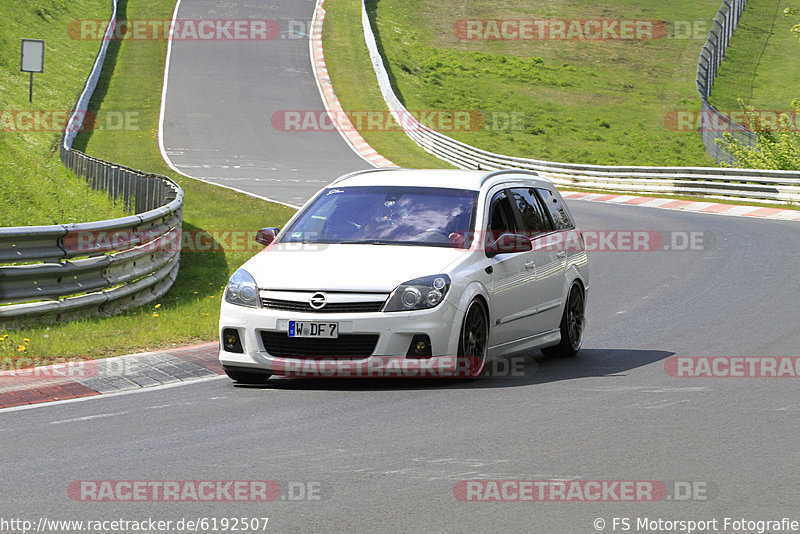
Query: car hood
<point x="321" y="267"/>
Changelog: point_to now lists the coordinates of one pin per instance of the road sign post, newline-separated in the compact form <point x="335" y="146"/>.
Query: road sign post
<point x="32" y="60"/>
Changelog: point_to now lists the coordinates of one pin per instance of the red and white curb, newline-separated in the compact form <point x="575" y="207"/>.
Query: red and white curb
<point x="331" y="101"/>
<point x="88" y="378"/>
<point x="688" y="205"/>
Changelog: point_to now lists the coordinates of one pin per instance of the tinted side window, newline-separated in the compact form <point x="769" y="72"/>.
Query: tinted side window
<point x="557" y="212"/>
<point x="534" y="218"/>
<point x="501" y="217"/>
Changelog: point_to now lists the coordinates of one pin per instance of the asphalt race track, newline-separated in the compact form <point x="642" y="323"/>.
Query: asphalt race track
<point x="222" y="97"/>
<point x="385" y="455"/>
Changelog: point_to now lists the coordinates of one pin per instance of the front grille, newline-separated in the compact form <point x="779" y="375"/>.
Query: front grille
<point x="346" y="346"/>
<point x="331" y="307"/>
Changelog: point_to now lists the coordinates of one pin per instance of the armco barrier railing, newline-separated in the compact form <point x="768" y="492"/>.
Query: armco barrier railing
<point x="713" y="123"/>
<point x="751" y="184"/>
<point x="68" y="271"/>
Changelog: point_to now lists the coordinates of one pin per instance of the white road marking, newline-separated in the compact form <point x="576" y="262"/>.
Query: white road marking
<point x="162" y="148"/>
<point x="161" y="406"/>
<point x="663" y="403"/>
<point x="86" y="418"/>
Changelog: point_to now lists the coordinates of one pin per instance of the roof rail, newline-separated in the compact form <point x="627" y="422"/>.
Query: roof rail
<point x="364" y="171"/>
<point x="508" y="171"/>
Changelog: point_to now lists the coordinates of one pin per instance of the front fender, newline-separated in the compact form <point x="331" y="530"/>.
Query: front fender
<point x="474" y="289"/>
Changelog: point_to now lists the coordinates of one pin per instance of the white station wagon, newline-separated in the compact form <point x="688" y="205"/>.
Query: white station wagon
<point x="399" y="272"/>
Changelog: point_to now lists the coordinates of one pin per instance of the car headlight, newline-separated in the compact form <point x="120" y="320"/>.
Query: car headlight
<point x="241" y="290"/>
<point x="418" y="294"/>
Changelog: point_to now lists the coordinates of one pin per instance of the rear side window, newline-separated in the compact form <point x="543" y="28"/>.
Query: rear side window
<point x="534" y="218"/>
<point x="501" y="216"/>
<point x="557" y="212"/>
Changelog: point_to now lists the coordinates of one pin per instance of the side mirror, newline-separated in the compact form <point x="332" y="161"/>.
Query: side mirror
<point x="508" y="243"/>
<point x="265" y="236"/>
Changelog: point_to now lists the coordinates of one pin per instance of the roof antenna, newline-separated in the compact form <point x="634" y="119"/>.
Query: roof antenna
<point x="479" y="167"/>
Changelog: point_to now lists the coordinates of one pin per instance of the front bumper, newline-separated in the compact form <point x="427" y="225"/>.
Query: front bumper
<point x="394" y="330"/>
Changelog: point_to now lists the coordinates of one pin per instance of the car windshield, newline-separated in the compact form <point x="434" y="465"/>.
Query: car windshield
<point x="428" y="216"/>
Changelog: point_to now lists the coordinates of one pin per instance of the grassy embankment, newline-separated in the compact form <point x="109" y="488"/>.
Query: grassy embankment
<point x="761" y="64"/>
<point x="189" y="312"/>
<point x="587" y="101"/>
<point x="35" y="188"/>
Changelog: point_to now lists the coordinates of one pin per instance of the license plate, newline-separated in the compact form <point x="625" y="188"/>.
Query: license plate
<point x="308" y="329"/>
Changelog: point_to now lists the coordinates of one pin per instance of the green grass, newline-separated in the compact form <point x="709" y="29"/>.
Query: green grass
<point x="602" y="102"/>
<point x="189" y="312"/>
<point x="761" y="64"/>
<point x="354" y="80"/>
<point x="35" y="188"/>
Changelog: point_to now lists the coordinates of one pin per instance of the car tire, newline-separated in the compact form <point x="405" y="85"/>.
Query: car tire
<point x="473" y="341"/>
<point x="572" y="325"/>
<point x="245" y="375"/>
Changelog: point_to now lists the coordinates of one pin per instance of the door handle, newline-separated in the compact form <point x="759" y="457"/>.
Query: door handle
<point x="561" y="254"/>
<point x="531" y="265"/>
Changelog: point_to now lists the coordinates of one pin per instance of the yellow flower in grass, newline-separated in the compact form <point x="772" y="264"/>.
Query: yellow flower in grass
<point x="155" y="315"/>
<point x="157" y="306"/>
<point x="21" y="348"/>
<point x="26" y="340"/>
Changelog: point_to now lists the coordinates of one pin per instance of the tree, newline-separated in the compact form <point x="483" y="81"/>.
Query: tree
<point x="776" y="148"/>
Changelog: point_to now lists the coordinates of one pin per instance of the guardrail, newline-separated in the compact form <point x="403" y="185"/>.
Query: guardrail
<point x="713" y="123"/>
<point x="68" y="271"/>
<point x="751" y="184"/>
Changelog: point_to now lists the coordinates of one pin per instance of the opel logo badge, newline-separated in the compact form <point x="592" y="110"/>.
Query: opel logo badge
<point x="317" y="301"/>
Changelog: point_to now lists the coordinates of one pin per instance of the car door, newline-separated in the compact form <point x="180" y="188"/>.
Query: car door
<point x="548" y="257"/>
<point x="512" y="276"/>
